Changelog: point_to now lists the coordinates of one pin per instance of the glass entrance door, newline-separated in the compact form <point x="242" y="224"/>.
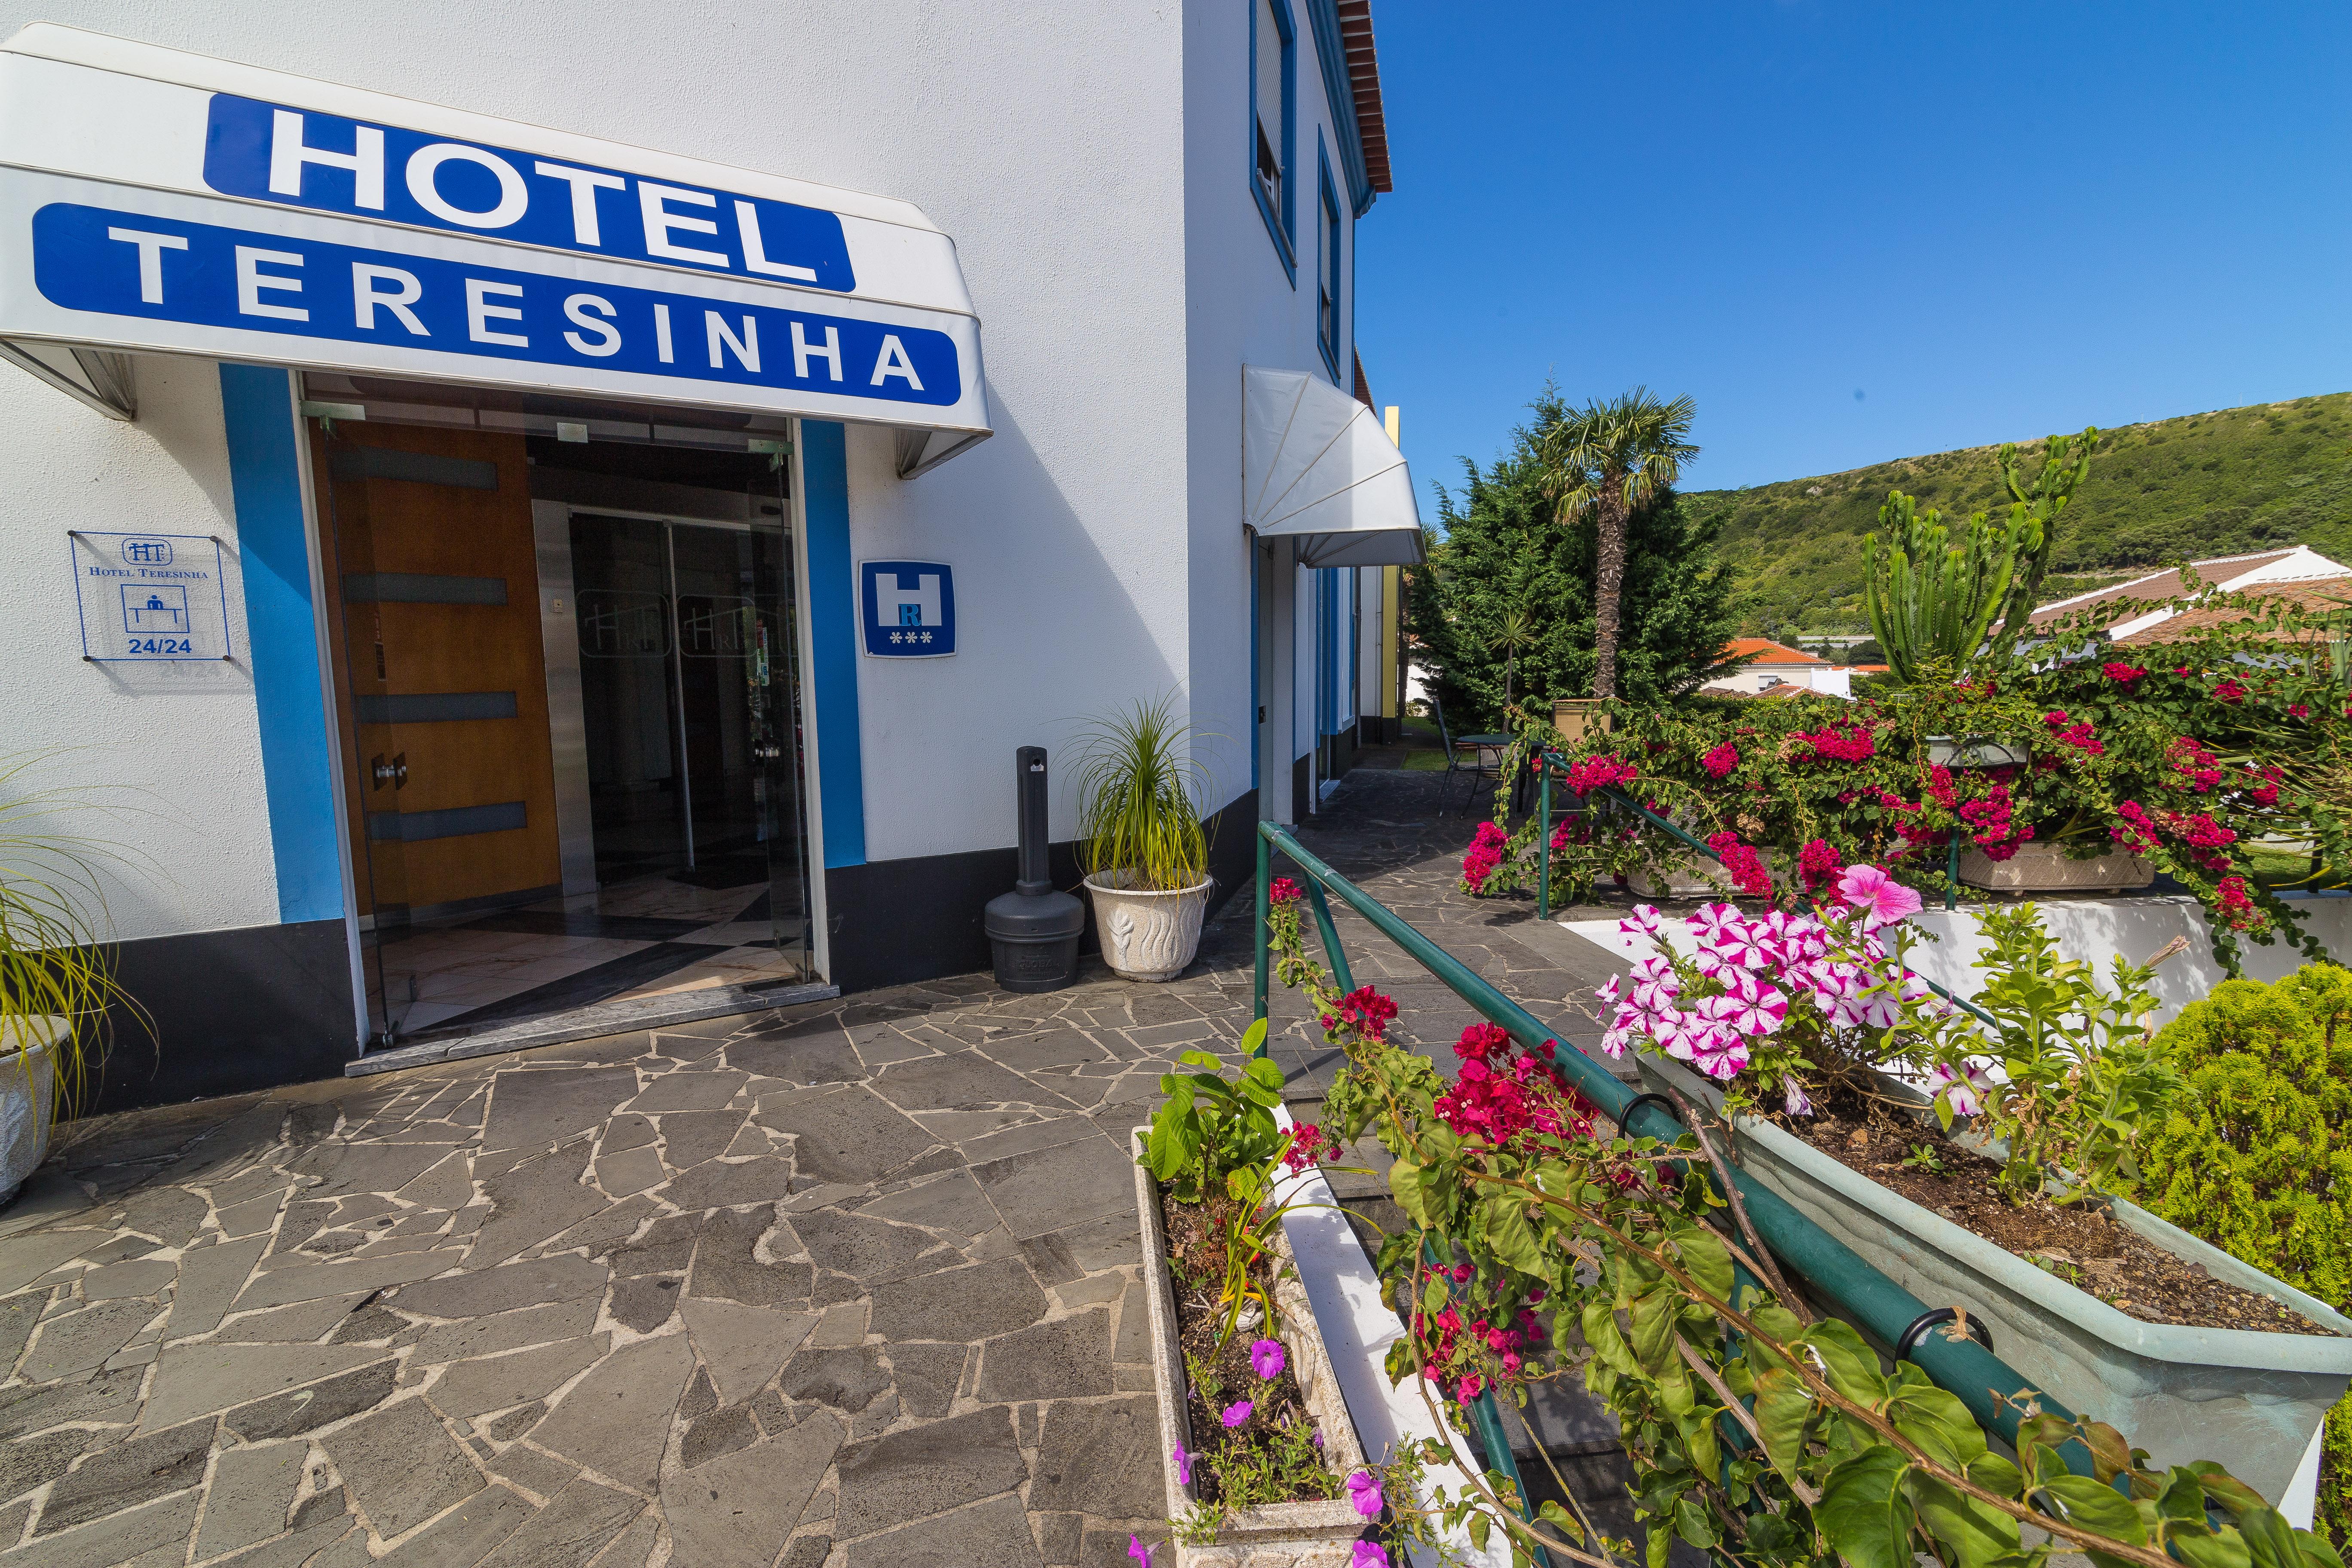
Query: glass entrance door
<point x="690" y="690"/>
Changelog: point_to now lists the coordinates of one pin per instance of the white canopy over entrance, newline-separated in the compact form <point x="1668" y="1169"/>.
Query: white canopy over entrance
<point x="1316" y="466"/>
<point x="152" y="200"/>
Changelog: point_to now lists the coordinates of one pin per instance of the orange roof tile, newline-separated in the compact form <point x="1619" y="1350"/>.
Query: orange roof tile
<point x="1769" y="652"/>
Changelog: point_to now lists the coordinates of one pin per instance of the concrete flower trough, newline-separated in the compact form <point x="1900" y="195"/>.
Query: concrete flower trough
<point x="2254" y="1401"/>
<point x="1282" y="1535"/>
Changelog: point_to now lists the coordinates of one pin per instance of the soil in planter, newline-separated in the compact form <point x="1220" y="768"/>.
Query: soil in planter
<point x="2080" y="1245"/>
<point x="1274" y="1454"/>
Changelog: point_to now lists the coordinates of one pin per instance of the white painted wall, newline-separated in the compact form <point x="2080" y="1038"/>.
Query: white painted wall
<point x="1241" y="309"/>
<point x="1093" y="175"/>
<point x="160" y="762"/>
<point x="2096" y="930"/>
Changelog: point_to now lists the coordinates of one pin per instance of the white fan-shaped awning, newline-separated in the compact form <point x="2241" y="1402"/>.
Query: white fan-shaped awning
<point x="1316" y="466"/>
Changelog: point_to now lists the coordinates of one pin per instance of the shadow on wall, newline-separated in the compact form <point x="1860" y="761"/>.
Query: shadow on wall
<point x="2097" y="929"/>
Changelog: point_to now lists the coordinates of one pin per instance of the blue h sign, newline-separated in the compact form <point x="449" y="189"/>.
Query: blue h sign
<point x="907" y="608"/>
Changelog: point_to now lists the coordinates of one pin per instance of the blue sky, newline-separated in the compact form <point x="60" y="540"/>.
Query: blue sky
<point x="1991" y="220"/>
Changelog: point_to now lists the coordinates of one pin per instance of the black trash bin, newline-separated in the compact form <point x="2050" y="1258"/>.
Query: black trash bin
<point x="1033" y="931"/>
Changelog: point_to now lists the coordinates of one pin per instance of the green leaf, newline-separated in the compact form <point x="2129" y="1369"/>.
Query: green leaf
<point x="2226" y="1489"/>
<point x="1862" y="1511"/>
<point x="1979" y="1535"/>
<point x="1655" y="1317"/>
<point x="1935" y="1419"/>
<point x="1850" y="1367"/>
<point x="1504" y="1219"/>
<point x="1560" y="1519"/>
<point x="2198" y="1550"/>
<point x="1480" y="1525"/>
<point x="1409" y="1183"/>
<point x="1601" y="1331"/>
<point x="1254" y="1037"/>
<point x="1706" y="1260"/>
<point x="1782" y="1409"/>
<point x="2094" y="1505"/>
<point x="2271" y="1537"/>
<point x="1261" y="1081"/>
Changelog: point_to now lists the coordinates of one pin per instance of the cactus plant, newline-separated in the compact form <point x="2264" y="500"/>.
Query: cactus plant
<point x="1935" y="599"/>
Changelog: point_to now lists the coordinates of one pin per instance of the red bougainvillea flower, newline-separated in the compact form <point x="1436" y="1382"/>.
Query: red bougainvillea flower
<point x="1816" y="863"/>
<point x="2238" y="911"/>
<point x="1486" y="853"/>
<point x="1881" y="900"/>
<point x="2297" y="710"/>
<point x="1600" y="773"/>
<point x="1831" y="744"/>
<point x="2124" y="674"/>
<point x="1719" y="761"/>
<point x="2073" y="732"/>
<point x="1746" y="866"/>
<point x="1284" y="891"/>
<point x="1308" y="1143"/>
<point x="1368" y="1011"/>
<point x="2228" y="691"/>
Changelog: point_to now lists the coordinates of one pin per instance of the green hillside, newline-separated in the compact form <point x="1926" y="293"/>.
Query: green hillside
<point x="2205" y="484"/>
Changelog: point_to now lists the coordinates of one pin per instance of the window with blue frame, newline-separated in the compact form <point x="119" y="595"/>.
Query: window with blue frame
<point x="1326" y="265"/>
<point x="1274" y="118"/>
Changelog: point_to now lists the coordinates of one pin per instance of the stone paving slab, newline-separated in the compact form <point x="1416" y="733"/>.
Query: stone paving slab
<point x="853" y="1282"/>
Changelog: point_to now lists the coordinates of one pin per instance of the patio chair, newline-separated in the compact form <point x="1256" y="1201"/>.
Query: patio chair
<point x="1472" y="757"/>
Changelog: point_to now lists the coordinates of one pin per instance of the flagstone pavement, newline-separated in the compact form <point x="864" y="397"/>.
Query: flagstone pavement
<point x="845" y="1286"/>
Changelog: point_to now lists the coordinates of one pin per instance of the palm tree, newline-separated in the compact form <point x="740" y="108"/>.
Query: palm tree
<point x="1608" y="458"/>
<point x="1516" y="636"/>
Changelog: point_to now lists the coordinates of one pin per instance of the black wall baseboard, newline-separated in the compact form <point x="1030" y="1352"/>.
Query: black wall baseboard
<point x="228" y="1012"/>
<point x="894" y="922"/>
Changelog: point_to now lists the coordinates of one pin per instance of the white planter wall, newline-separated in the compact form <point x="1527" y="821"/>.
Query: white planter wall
<point x="2098" y="929"/>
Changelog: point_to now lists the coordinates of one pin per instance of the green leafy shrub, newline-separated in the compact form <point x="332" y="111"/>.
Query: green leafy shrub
<point x="2256" y="1155"/>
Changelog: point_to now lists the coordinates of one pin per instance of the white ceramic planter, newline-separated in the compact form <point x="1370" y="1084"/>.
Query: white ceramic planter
<point x="2254" y="1401"/>
<point x="1281" y="1535"/>
<point x="2044" y="868"/>
<point x="1147" y="936"/>
<point x="28" y="1082"/>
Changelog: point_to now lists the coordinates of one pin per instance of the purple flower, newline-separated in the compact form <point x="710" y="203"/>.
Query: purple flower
<point x="1236" y="1413"/>
<point x="1266" y="1359"/>
<point x="1183" y="1464"/>
<point x="1370" y="1554"/>
<point x="1793" y="1098"/>
<point x="1139" y="1551"/>
<point x="1364" y="1493"/>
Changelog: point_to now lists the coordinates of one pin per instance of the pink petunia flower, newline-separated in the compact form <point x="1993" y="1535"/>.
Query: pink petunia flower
<point x="1183" y="1464"/>
<point x="1137" y="1550"/>
<point x="1882" y="899"/>
<point x="1236" y="1413"/>
<point x="1794" y="1100"/>
<point x="1719" y="1052"/>
<point x="1369" y="1554"/>
<point x="1364" y="1494"/>
<point x="1266" y="1359"/>
<point x="1964" y="1090"/>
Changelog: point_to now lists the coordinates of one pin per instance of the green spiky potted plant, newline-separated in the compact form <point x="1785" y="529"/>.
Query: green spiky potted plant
<point x="57" y="980"/>
<point x="1140" y="841"/>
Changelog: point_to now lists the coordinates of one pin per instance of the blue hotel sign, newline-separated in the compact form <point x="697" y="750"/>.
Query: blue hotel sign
<point x="156" y="201"/>
<point x="268" y="152"/>
<point x="907" y="608"/>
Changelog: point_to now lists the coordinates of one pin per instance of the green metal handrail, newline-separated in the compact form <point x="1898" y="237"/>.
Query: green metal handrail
<point x="1990" y="1389"/>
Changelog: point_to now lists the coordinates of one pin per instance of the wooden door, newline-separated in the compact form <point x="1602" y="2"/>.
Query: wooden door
<point x="443" y="686"/>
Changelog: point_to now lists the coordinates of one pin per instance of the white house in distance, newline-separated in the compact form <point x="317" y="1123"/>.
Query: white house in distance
<point x="1776" y="669"/>
<point x="2222" y="574"/>
<point x="536" y="538"/>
